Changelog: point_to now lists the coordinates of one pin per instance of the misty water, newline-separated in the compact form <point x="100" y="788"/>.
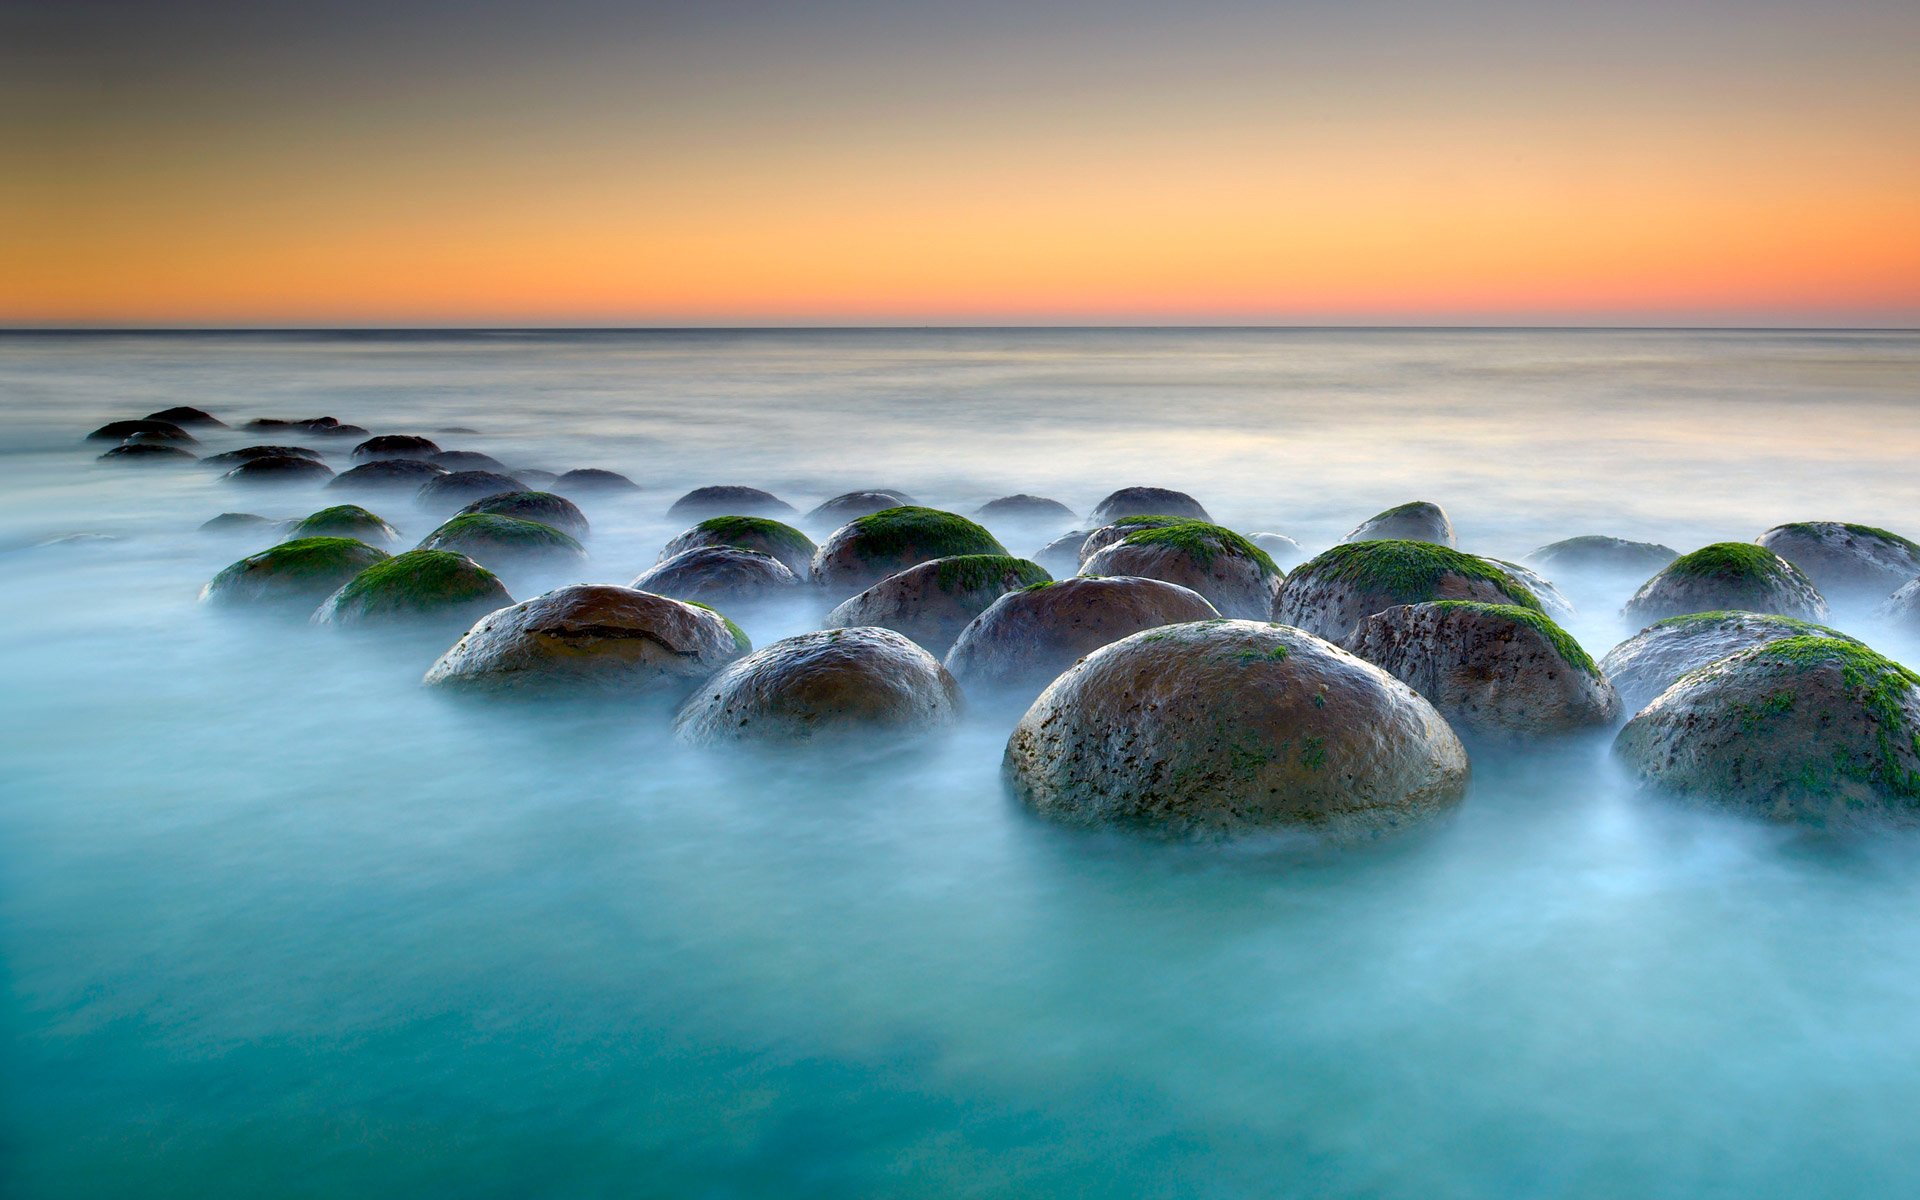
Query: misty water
<point x="274" y="920"/>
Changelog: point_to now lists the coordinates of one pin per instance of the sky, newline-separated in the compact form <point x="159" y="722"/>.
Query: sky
<point x="581" y="162"/>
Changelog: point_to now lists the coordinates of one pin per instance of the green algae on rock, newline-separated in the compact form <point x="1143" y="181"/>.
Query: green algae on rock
<point x="346" y="520"/>
<point x="417" y="587"/>
<point x="1332" y="592"/>
<point x="1727" y="575"/>
<point x="503" y="542"/>
<point x="762" y="534"/>
<point x="292" y="575"/>
<point x="1236" y="576"/>
<point x="864" y="551"/>
<point x="932" y="602"/>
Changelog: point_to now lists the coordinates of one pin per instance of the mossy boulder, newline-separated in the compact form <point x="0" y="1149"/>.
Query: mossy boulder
<point x="1332" y="592"/>
<point x="1415" y="521"/>
<point x="729" y="500"/>
<point x="185" y="415"/>
<point x="592" y="481"/>
<point x="1021" y="641"/>
<point x="863" y="552"/>
<point x="544" y="507"/>
<point x="387" y="476"/>
<point x="279" y="469"/>
<point x="1223" y="727"/>
<point x="395" y="445"/>
<point x="1594" y="554"/>
<point x="456" y="489"/>
<point x="505" y="543"/>
<point x="1495" y="671"/>
<point x="1727" y="575"/>
<point x="832" y="514"/>
<point x="1806" y="729"/>
<point x="233" y="458"/>
<point x="346" y="520"/>
<point x="469" y="460"/>
<point x="822" y="687"/>
<point x="1235" y="575"/>
<point x="148" y="453"/>
<point x="1552" y="600"/>
<point x="1146" y="501"/>
<point x="1107" y="535"/>
<point x="420" y="587"/>
<point x="726" y="577"/>
<point x="762" y="534"/>
<point x="291" y="576"/>
<point x="1283" y="550"/>
<point x="120" y="431"/>
<point x="1850" y="564"/>
<point x="931" y="603"/>
<point x="1061" y="556"/>
<point x="591" y="639"/>
<point x="1026" y="510"/>
<point x="1650" y="661"/>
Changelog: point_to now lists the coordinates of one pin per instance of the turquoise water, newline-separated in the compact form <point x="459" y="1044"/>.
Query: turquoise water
<point x="273" y="921"/>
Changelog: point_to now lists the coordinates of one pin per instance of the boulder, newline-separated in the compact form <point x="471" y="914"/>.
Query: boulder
<point x="834" y="513"/>
<point x="1146" y="501"/>
<point x="338" y="430"/>
<point x="1023" y="509"/>
<point x="1061" y="556"/>
<point x="1025" y="638"/>
<point x="279" y="469"/>
<point x="456" y="489"/>
<point x="1283" y="550"/>
<point x="120" y="431"/>
<point x="395" y="445"/>
<point x="534" y="477"/>
<point x="863" y="552"/>
<point x="291" y="576"/>
<point x="505" y="543"/>
<point x="1807" y="729"/>
<point x="728" y="500"/>
<point x="1107" y="535"/>
<point x="1415" y="521"/>
<point x="233" y="458"/>
<point x="591" y="639"/>
<point x="932" y="602"/>
<point x="1902" y="609"/>
<point x="230" y="523"/>
<point x="1726" y="575"/>
<point x="420" y="587"/>
<point x="544" y="507"/>
<point x="721" y="576"/>
<point x="1649" y="662"/>
<point x="185" y="415"/>
<point x="1332" y="592"/>
<point x="1222" y="727"/>
<point x="1552" y="601"/>
<point x="1235" y="575"/>
<point x="825" y="686"/>
<point x="592" y="481"/>
<point x="762" y="534"/>
<point x="468" y="460"/>
<point x="1593" y="554"/>
<point x="147" y="452"/>
<point x="387" y="476"/>
<point x="348" y="521"/>
<point x="1849" y="564"/>
<point x="1495" y="671"/>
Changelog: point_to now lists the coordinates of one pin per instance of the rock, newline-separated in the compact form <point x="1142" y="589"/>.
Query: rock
<point x="348" y="521"/>
<point x="1061" y="556"/>
<point x="544" y="507"/>
<point x="863" y="552"/>
<point x="1552" y="601"/>
<point x="1222" y="727"/>
<point x="1811" y="729"/>
<point x="279" y="469"/>
<point x="457" y="489"/>
<point x="120" y="431"/>
<point x="591" y="638"/>
<point x="534" y="477"/>
<point x="721" y="576"/>
<point x="825" y="686"/>
<point x="388" y="475"/>
<point x="395" y="445"/>
<point x="144" y="453"/>
<point x="240" y="523"/>
<point x="762" y="534"/>
<point x="728" y="500"/>
<point x="591" y="481"/>
<point x="1146" y="502"/>
<point x="150" y="439"/>
<point x="834" y="513"/>
<point x="1592" y="554"/>
<point x="1026" y="510"/>
<point x="1416" y="521"/>
<point x="419" y="587"/>
<point x="932" y="602"/>
<point x="1108" y="535"/>
<point x="1649" y="662"/>
<point x="1850" y="564"/>
<point x="1332" y="592"/>
<point x="1235" y="575"/>
<point x="468" y="460"/>
<point x="338" y="430"/>
<point x="293" y="575"/>
<point x="1902" y="608"/>
<point x="184" y="416"/>
<point x="319" y="424"/>
<point x="1726" y="575"/>
<point x="233" y="458"/>
<point x="1494" y="671"/>
<point x="456" y="429"/>
<point x="503" y="543"/>
<point x="1025" y="638"/>
<point x="1283" y="550"/>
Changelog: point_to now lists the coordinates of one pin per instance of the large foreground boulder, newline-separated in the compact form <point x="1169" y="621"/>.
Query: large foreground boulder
<point x="1332" y="592"/>
<point x="933" y="602"/>
<point x="724" y="577"/>
<point x="1850" y="564"/>
<point x="1726" y="575"/>
<point x="591" y="639"/>
<point x="1221" y="727"/>
<point x="1415" y="521"/>
<point x="822" y="686"/>
<point x="1026" y="638"/>
<point x="431" y="588"/>
<point x="761" y="534"/>
<point x="1595" y="554"/>
<point x="348" y="521"/>
<point x="1649" y="662"/>
<point x="1810" y="729"/>
<point x="545" y="507"/>
<point x="505" y="543"/>
<point x="293" y="576"/>
<point x="729" y="500"/>
<point x="1235" y="575"/>
<point x="1146" y="501"/>
<point x="863" y="552"/>
<point x="1495" y="671"/>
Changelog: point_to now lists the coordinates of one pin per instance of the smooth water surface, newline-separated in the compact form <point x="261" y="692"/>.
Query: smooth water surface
<point x="275" y="921"/>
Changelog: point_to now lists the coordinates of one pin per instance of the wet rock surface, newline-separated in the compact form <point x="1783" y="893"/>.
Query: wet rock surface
<point x="863" y="552"/>
<point x="1415" y="521"/>
<point x="1235" y="576"/>
<point x="1146" y="501"/>
<point x="723" y="577"/>
<point x="1331" y="593"/>
<point x="1727" y="575"/>
<point x="420" y="588"/>
<point x="1850" y="564"/>
<point x="763" y="534"/>
<point x="931" y="603"/>
<point x="1649" y="662"/>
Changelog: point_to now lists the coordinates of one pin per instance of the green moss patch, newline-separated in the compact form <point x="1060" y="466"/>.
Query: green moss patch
<point x="986" y="572"/>
<point x="1818" y="528"/>
<point x="1729" y="562"/>
<point x="306" y="558"/>
<point x="420" y="581"/>
<point x="1688" y="620"/>
<point x="740" y="638"/>
<point x="911" y="529"/>
<point x="1408" y="571"/>
<point x="493" y="529"/>
<point x="1562" y="641"/>
<point x="344" y="520"/>
<point x="1877" y="683"/>
<point x="759" y="533"/>
<point x="1204" y="542"/>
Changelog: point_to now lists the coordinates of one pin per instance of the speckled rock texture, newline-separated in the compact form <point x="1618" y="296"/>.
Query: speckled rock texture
<point x="933" y="602"/>
<point x="1416" y="521"/>
<point x="1332" y="592"/>
<point x="1235" y="576"/>
<point x="721" y="576"/>
<point x="1724" y="576"/>
<point x="768" y="536"/>
<point x="1850" y="564"/>
<point x="1592" y="553"/>
<point x="1649" y="662"/>
<point x="863" y="552"/>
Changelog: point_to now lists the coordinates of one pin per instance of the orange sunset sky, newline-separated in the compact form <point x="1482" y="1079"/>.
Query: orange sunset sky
<point x="592" y="163"/>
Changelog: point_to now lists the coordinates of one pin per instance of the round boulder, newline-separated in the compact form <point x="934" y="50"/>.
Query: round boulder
<point x="349" y="521"/>
<point x="293" y="575"/>
<point x="388" y="475"/>
<point x="1851" y="564"/>
<point x="1726" y="575"/>
<point x="1023" y="509"/>
<point x="931" y="603"/>
<point x="396" y="445"/>
<point x="1235" y="575"/>
<point x="832" y="514"/>
<point x="1222" y="727"/>
<point x="544" y="507"/>
<point x="1332" y="592"/>
<point x="863" y="552"/>
<point x="1415" y="521"/>
<point x="1810" y="729"/>
<point x="233" y="458"/>
<point x="279" y="469"/>
<point x="148" y="452"/>
<point x="762" y="534"/>
<point x="1107" y="535"/>
<point x="729" y="500"/>
<point x="186" y="415"/>
<point x="1496" y="671"/>
<point x="592" y="481"/>
<point x="419" y="587"/>
<point x="1146" y="501"/>
<point x="457" y="489"/>
<point x="228" y="524"/>
<point x="1061" y="556"/>
<point x="722" y="576"/>
<point x="1551" y="599"/>
<point x="824" y="686"/>
<point x="1649" y="662"/>
<point x="468" y="460"/>
<point x="1283" y="550"/>
<point x="120" y="431"/>
<point x="591" y="638"/>
<point x="1593" y="554"/>
<point x="504" y="543"/>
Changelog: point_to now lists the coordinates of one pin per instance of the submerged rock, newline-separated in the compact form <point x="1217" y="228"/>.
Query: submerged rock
<point x="293" y="575"/>
<point x="1061" y="556"/>
<point x="419" y="587"/>
<point x="184" y="415"/>
<point x="863" y="552"/>
<point x="729" y="500"/>
<point x="822" y="686"/>
<point x="1415" y="521"/>
<point x="592" y="481"/>
<point x="931" y="603"/>
<point x="147" y="452"/>
<point x="279" y="469"/>
<point x="388" y="475"/>
<point x="233" y="458"/>
<point x="544" y="507"/>
<point x="1811" y="729"/>
<point x="722" y="576"/>
<point x="1552" y="601"/>
<point x="349" y="521"/>
<point x="469" y="460"/>
<point x="1108" y="535"/>
<point x="1727" y="575"/>
<point x="834" y="513"/>
<point x="534" y="477"/>
<point x="395" y="445"/>
<point x="762" y="534"/>
<point x="1235" y="575"/>
<point x="1649" y="662"/>
<point x="1852" y="564"/>
<point x="1146" y="501"/>
<point x="1332" y="592"/>
<point x="120" y="431"/>
<point x="1221" y="727"/>
<point x="1902" y="609"/>
<point x="1023" y="509"/>
<point x="1025" y="638"/>
<point x="1592" y="554"/>
<point x="1283" y="550"/>
<point x="1493" y="670"/>
<point x="504" y="543"/>
<point x="456" y="489"/>
<point x="591" y="639"/>
<point x="240" y="523"/>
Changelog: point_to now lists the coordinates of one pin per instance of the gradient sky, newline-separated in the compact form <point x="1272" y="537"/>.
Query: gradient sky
<point x="585" y="162"/>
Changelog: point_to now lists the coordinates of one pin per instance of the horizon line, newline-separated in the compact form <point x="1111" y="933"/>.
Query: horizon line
<point x="1412" y="327"/>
